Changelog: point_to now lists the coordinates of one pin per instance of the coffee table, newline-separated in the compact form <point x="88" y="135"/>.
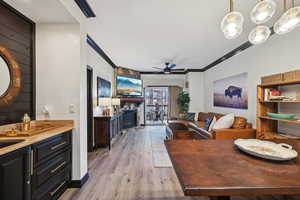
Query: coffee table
<point x="216" y="168"/>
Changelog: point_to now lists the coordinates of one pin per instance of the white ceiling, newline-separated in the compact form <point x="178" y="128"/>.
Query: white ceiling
<point x="141" y="34"/>
<point x="42" y="11"/>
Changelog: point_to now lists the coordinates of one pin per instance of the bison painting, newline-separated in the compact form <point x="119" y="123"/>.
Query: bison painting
<point x="232" y="91"/>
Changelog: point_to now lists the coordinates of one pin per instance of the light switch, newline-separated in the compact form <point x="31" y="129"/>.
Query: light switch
<point x="72" y="108"/>
<point x="45" y="110"/>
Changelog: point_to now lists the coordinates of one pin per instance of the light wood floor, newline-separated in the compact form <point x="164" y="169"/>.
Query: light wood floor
<point x="127" y="173"/>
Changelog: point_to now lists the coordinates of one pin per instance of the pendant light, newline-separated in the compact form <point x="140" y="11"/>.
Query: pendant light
<point x="288" y="21"/>
<point x="259" y="34"/>
<point x="263" y="11"/>
<point x="232" y="23"/>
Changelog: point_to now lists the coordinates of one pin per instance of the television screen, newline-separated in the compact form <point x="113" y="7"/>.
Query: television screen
<point x="129" y="86"/>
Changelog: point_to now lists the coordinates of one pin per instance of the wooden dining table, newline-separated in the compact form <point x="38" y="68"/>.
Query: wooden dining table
<point x="218" y="169"/>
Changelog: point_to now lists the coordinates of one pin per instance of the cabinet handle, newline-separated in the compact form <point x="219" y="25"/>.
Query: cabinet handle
<point x="31" y="162"/>
<point x="58" y="167"/>
<point x="57" y="146"/>
<point x="53" y="193"/>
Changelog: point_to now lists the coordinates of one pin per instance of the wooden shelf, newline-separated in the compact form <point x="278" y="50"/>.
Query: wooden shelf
<point x="268" y="127"/>
<point x="295" y="121"/>
<point x="280" y="83"/>
<point x="279" y="101"/>
<point x="275" y="135"/>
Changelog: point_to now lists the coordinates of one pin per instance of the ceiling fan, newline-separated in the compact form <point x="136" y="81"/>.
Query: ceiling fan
<point x="169" y="68"/>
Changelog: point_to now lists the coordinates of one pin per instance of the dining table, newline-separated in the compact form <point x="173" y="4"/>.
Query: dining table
<point x="219" y="170"/>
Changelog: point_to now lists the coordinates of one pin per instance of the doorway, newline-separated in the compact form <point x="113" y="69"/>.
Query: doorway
<point x="156" y="105"/>
<point x="90" y="115"/>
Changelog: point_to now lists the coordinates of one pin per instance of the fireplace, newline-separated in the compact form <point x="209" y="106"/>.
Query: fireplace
<point x="130" y="119"/>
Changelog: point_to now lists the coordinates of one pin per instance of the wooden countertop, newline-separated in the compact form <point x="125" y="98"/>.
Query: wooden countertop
<point x="218" y="168"/>
<point x="59" y="126"/>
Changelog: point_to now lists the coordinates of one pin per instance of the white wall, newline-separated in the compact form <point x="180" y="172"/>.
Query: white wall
<point x="279" y="54"/>
<point x="163" y="80"/>
<point x="196" y="91"/>
<point x="80" y="139"/>
<point x="100" y="69"/>
<point x="58" y="82"/>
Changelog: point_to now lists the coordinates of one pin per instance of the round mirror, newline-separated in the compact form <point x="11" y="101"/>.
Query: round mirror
<point x="10" y="77"/>
<point x="4" y="77"/>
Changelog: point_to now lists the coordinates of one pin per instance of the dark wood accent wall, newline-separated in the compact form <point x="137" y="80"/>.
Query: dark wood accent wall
<point x="17" y="34"/>
<point x="122" y="71"/>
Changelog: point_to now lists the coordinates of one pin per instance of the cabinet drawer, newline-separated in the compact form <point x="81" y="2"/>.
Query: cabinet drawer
<point x="53" y="188"/>
<point x="49" y="147"/>
<point x="50" y="168"/>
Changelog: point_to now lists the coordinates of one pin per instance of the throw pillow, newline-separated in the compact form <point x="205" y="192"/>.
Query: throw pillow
<point x="224" y="122"/>
<point x="208" y="122"/>
<point x="190" y="116"/>
<point x="239" y="123"/>
<point x="212" y="124"/>
<point x="203" y="116"/>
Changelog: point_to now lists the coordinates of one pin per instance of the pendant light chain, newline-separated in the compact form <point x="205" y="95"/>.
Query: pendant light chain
<point x="293" y="3"/>
<point x="285" y="6"/>
<point x="231" y="8"/>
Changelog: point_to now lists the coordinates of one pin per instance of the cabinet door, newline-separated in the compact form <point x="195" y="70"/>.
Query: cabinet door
<point x="14" y="175"/>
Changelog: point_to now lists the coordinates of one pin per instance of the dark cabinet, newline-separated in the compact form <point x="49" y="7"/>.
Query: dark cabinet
<point x="130" y="118"/>
<point x="41" y="171"/>
<point x="15" y="175"/>
<point x="51" y="172"/>
<point x="106" y="128"/>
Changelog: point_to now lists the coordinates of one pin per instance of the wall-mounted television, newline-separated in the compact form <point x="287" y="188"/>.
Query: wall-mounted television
<point x="129" y="87"/>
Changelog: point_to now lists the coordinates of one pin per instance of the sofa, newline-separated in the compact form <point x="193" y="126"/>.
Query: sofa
<point x="179" y="129"/>
<point x="241" y="128"/>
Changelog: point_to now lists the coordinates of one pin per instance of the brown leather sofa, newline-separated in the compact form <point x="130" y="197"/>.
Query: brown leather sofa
<point x="240" y="128"/>
<point x="178" y="129"/>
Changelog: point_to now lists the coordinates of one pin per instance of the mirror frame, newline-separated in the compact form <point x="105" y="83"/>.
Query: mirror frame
<point x="15" y="78"/>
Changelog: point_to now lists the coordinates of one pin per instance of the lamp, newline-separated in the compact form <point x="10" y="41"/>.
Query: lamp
<point x="263" y="11"/>
<point x="288" y="21"/>
<point x="105" y="102"/>
<point x="116" y="102"/>
<point x="259" y="34"/>
<point x="232" y="23"/>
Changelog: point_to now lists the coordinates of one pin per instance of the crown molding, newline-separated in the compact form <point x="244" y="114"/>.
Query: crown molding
<point x="98" y="49"/>
<point x="85" y="8"/>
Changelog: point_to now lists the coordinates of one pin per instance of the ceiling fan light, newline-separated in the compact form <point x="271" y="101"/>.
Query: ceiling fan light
<point x="288" y="21"/>
<point x="232" y="25"/>
<point x="263" y="11"/>
<point x="259" y="34"/>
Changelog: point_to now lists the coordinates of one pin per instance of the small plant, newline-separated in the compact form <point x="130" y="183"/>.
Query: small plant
<point x="183" y="102"/>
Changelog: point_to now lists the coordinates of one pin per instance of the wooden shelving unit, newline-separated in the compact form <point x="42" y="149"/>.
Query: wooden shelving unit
<point x="267" y="127"/>
<point x="282" y="101"/>
<point x="295" y="121"/>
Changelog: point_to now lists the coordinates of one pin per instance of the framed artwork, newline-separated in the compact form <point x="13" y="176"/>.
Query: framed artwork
<point x="231" y="92"/>
<point x="103" y="88"/>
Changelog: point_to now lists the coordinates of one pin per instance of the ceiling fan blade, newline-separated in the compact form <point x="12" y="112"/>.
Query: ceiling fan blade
<point x="157" y="68"/>
<point x="178" y="69"/>
<point x="172" y="66"/>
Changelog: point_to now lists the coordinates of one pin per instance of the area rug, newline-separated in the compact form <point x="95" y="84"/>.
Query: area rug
<point x="160" y="155"/>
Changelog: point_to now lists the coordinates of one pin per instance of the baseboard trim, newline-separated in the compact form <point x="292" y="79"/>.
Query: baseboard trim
<point x="79" y="183"/>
